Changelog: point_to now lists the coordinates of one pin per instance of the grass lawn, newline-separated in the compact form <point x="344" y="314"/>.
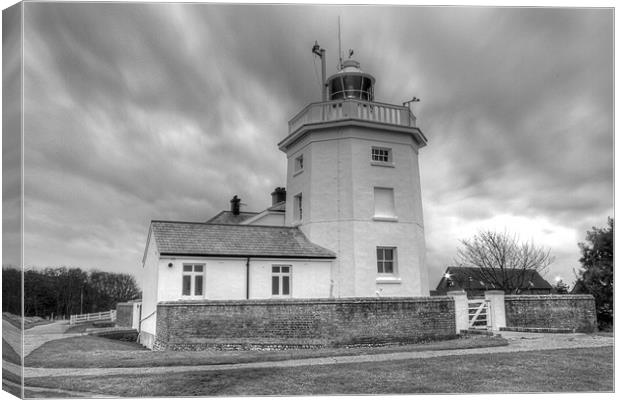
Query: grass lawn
<point x="15" y="391"/>
<point x="79" y="328"/>
<point x="32" y="394"/>
<point x="9" y="354"/>
<point x="573" y="370"/>
<point x="11" y="377"/>
<point x="91" y="351"/>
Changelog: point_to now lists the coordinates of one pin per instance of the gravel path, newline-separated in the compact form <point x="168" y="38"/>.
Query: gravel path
<point x="38" y="392"/>
<point x="518" y="341"/>
<point x="38" y="335"/>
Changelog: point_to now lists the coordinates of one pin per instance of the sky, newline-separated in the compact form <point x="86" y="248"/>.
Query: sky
<point x="134" y="112"/>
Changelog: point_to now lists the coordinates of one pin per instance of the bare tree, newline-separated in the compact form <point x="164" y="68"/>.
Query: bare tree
<point x="502" y="260"/>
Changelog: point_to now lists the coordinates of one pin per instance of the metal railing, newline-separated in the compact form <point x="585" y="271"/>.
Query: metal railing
<point x="353" y="109"/>
<point x="100" y="316"/>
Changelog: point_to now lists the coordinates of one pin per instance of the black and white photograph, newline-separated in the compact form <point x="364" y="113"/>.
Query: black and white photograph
<point x="298" y="199"/>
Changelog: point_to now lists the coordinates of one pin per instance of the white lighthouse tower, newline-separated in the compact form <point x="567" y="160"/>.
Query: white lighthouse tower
<point x="353" y="186"/>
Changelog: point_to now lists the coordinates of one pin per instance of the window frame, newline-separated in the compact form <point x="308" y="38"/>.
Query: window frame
<point x="382" y="260"/>
<point x="298" y="164"/>
<point x="389" y="162"/>
<point x="280" y="276"/>
<point x="193" y="277"/>
<point x="298" y="207"/>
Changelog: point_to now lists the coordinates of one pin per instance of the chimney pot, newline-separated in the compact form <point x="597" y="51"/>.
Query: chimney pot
<point x="278" y="195"/>
<point x="235" y="205"/>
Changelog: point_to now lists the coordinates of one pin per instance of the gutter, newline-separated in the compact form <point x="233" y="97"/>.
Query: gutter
<point x="292" y="257"/>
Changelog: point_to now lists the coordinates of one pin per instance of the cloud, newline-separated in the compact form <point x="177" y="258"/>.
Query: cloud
<point x="144" y="111"/>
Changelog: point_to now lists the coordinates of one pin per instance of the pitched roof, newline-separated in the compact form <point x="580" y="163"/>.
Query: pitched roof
<point x="281" y="206"/>
<point x="471" y="278"/>
<point x="227" y="217"/>
<point x="207" y="239"/>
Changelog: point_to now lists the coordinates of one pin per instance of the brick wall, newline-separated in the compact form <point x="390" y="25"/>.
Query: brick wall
<point x="576" y="312"/>
<point x="190" y="325"/>
<point x="124" y="314"/>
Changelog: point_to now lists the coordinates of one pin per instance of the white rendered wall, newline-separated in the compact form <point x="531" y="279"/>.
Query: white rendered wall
<point x="338" y="190"/>
<point x="149" y="289"/>
<point x="225" y="278"/>
<point x="309" y="278"/>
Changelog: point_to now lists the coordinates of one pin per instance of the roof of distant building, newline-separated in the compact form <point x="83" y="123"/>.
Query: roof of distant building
<point x="227" y="217"/>
<point x="471" y="278"/>
<point x="208" y="239"/>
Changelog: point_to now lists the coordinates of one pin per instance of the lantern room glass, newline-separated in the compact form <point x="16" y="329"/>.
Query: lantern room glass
<point x="351" y="87"/>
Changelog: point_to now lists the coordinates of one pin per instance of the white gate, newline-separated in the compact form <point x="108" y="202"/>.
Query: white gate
<point x="101" y="316"/>
<point x="479" y="314"/>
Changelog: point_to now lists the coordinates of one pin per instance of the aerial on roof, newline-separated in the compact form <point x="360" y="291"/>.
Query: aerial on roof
<point x="208" y="239"/>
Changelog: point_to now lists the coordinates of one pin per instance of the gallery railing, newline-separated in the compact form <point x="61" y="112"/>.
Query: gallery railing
<point x="331" y="111"/>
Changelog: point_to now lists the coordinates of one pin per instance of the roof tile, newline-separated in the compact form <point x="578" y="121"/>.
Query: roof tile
<point x="208" y="239"/>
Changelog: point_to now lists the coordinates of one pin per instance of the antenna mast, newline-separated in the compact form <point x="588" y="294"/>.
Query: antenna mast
<point x="339" y="47"/>
<point x="317" y="50"/>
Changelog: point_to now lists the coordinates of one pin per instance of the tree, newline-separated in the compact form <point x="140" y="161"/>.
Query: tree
<point x="11" y="289"/>
<point x="596" y="276"/>
<point x="108" y="289"/>
<point x="65" y="291"/>
<point x="502" y="260"/>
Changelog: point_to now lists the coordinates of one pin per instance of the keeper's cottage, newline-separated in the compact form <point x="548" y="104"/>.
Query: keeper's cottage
<point x="348" y="224"/>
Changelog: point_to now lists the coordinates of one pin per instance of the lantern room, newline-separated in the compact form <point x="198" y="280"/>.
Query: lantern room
<point x="351" y="83"/>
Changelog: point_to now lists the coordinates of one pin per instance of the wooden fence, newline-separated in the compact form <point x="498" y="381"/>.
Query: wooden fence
<point x="100" y="316"/>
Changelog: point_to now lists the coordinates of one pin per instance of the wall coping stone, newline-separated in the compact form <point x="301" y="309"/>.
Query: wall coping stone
<point x="129" y="303"/>
<point x="275" y="302"/>
<point x="538" y="297"/>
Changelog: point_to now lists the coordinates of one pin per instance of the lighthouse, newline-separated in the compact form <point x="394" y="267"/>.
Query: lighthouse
<point x="353" y="186"/>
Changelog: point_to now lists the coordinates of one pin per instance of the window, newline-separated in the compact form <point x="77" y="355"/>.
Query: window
<point x="193" y="275"/>
<point x="384" y="203"/>
<point x="386" y="260"/>
<point x="299" y="163"/>
<point x="281" y="280"/>
<point x="297" y="208"/>
<point x="381" y="155"/>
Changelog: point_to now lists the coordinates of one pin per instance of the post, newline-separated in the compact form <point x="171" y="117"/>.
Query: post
<point x="323" y="83"/>
<point x="496" y="308"/>
<point x="461" y="309"/>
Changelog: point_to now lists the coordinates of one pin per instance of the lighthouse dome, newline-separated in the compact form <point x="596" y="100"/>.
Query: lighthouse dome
<point x="351" y="83"/>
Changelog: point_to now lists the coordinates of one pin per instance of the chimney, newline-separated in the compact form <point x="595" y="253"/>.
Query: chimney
<point x="235" y="205"/>
<point x="278" y="195"/>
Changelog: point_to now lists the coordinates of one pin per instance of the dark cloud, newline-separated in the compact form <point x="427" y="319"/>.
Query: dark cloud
<point x="11" y="139"/>
<point x="164" y="111"/>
